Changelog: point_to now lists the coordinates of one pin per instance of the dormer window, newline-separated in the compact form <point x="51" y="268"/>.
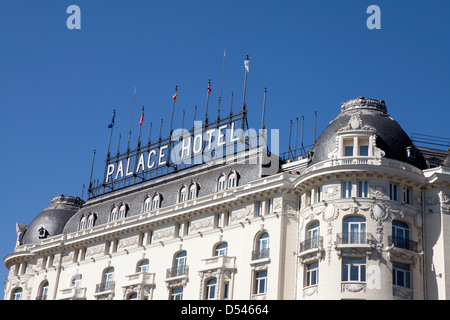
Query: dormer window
<point x="183" y="194"/>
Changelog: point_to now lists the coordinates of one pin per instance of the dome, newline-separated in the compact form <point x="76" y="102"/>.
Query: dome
<point x="52" y="220"/>
<point x="390" y="137"/>
<point x="446" y="162"/>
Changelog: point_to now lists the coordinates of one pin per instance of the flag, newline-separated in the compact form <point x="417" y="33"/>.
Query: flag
<point x="142" y="118"/>
<point x="209" y="89"/>
<point x="246" y="65"/>
<point x="174" y="98"/>
<point x="112" y="120"/>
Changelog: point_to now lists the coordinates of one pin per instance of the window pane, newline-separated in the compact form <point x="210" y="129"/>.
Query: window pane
<point x="348" y="151"/>
<point x="363" y="150"/>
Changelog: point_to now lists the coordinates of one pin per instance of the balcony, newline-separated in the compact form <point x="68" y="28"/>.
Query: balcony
<point x="311" y="249"/>
<point x="140" y="278"/>
<point x="73" y="293"/>
<point x="219" y="262"/>
<point x="176" y="272"/>
<point x="105" y="290"/>
<point x="402" y="243"/>
<point x="260" y="254"/>
<point x="403" y="250"/>
<point x="354" y="244"/>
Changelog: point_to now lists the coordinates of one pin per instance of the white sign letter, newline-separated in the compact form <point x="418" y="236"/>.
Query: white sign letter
<point x="374" y="21"/>
<point x="74" y="21"/>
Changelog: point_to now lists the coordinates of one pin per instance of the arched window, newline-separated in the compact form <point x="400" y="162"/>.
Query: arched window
<point x="354" y="230"/>
<point x="143" y="266"/>
<point x="132" y="296"/>
<point x="82" y="224"/>
<point x="91" y="220"/>
<point x="261" y="247"/>
<point x="76" y="281"/>
<point x="17" y="294"/>
<point x="156" y="201"/>
<point x="312" y="235"/>
<point x="183" y="194"/>
<point x="114" y="214"/>
<point x="221" y="249"/>
<point x="232" y="180"/>
<point x="401" y="235"/>
<point x="192" y="191"/>
<point x="221" y="183"/>
<point x="108" y="279"/>
<point x="43" y="291"/>
<point x="147" y="204"/>
<point x="211" y="288"/>
<point x="179" y="264"/>
<point x="122" y="211"/>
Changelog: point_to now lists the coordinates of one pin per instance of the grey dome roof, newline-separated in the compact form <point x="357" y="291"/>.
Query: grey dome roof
<point x="447" y="160"/>
<point x="390" y="137"/>
<point x="52" y="220"/>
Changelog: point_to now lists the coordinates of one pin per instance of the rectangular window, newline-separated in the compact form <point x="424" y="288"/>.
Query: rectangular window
<point x="228" y="218"/>
<point x="269" y="206"/>
<point x="319" y="194"/>
<point x="406" y="194"/>
<point x="363" y="150"/>
<point x="363" y="189"/>
<point x="354" y="269"/>
<point x="176" y="294"/>
<point x="401" y="275"/>
<point x="218" y="220"/>
<point x="312" y="274"/>
<point x="348" y="151"/>
<point x="258" y="208"/>
<point x="261" y="282"/>
<point x="346" y="189"/>
<point x="393" y="192"/>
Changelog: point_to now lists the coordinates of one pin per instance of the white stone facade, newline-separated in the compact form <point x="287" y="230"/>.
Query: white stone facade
<point x="352" y="226"/>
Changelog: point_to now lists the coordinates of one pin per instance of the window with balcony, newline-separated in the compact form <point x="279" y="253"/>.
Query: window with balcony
<point x="312" y="235"/>
<point x="354" y="269"/>
<point x="354" y="230"/>
<point x="261" y="247"/>
<point x="107" y="283"/>
<point x="179" y="267"/>
<point x="76" y="281"/>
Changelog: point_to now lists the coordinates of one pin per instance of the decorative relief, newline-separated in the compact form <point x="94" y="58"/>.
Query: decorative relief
<point x="403" y="293"/>
<point x="353" y="287"/>
<point x="310" y="291"/>
<point x="67" y="256"/>
<point x="163" y="233"/>
<point x="128" y="242"/>
<point x="95" y="250"/>
<point x="202" y="223"/>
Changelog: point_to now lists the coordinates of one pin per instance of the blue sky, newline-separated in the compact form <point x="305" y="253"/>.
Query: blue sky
<point x="58" y="87"/>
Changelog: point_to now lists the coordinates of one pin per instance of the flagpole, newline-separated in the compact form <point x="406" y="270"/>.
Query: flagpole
<point x="140" y="127"/>
<point x="246" y="65"/>
<point x="131" y="121"/>
<point x="231" y="103"/>
<point x="207" y="101"/>
<point x="149" y="134"/>
<point x="110" y="133"/>
<point x="221" y="84"/>
<point x="173" y="110"/>
<point x="264" y="108"/>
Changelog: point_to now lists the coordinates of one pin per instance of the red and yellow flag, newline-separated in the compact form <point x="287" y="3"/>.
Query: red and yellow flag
<point x="174" y="98"/>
